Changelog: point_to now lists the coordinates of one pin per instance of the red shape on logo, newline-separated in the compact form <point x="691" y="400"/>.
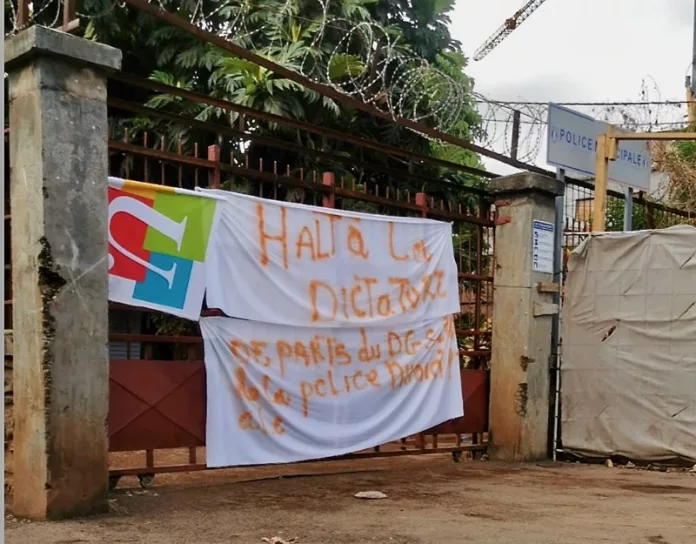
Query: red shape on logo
<point x="129" y="232"/>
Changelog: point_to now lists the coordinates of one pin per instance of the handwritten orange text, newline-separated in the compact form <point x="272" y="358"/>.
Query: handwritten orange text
<point x="418" y="251"/>
<point x="321" y="235"/>
<point x="331" y="385"/>
<point x="366" y="297"/>
<point x="255" y="419"/>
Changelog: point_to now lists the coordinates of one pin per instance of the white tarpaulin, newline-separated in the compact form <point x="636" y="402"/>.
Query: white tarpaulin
<point x="292" y="264"/>
<point x="280" y="394"/>
<point x="629" y="346"/>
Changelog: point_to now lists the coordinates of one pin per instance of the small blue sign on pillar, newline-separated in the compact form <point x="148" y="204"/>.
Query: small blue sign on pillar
<point x="542" y="247"/>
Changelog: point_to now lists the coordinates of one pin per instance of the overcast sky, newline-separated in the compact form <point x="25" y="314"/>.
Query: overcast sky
<point x="576" y="51"/>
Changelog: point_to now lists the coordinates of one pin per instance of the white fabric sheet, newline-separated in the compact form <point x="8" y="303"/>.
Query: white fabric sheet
<point x="280" y="394"/>
<point x="291" y="264"/>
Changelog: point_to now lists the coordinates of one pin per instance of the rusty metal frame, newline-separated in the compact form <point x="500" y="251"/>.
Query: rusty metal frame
<point x="419" y="205"/>
<point x="328" y="190"/>
<point x="416" y="204"/>
<point x="70" y="23"/>
<point x="475" y="389"/>
<point x="198" y="98"/>
<point x="123" y="105"/>
<point x="285" y="179"/>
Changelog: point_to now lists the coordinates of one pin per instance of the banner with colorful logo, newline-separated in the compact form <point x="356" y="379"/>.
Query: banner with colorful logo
<point x="158" y="244"/>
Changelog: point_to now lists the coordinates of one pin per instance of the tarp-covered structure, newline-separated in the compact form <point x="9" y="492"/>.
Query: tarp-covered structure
<point x="629" y="346"/>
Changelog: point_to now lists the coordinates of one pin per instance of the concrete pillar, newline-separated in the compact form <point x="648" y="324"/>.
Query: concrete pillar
<point x="523" y="310"/>
<point x="59" y="171"/>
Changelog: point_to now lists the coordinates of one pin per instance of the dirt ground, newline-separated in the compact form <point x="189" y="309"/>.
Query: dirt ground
<point x="430" y="500"/>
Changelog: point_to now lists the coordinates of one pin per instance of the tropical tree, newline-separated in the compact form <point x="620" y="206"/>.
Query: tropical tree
<point x="396" y="54"/>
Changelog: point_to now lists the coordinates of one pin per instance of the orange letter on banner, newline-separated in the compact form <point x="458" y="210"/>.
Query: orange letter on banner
<point x="438" y="275"/>
<point x="321" y="256"/>
<point x="371" y="378"/>
<point x="357" y="311"/>
<point x="392" y="349"/>
<point x="396" y="375"/>
<point x="243" y="388"/>
<point x="368" y="283"/>
<point x="264" y="236"/>
<point x="314" y="286"/>
<point x="304" y="240"/>
<point x="278" y="425"/>
<point x="283" y="352"/>
<point x="408" y="295"/>
<point x="246" y="422"/>
<point x="384" y="306"/>
<point x="342" y="356"/>
<point x="428" y="280"/>
<point x="366" y="353"/>
<point x="391" y="245"/>
<point x="317" y="225"/>
<point x="356" y="243"/>
<point x="421" y="252"/>
<point x="306" y="391"/>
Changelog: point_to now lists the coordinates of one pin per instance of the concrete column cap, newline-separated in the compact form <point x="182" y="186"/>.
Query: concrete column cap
<point x="526" y="182"/>
<point x="39" y="40"/>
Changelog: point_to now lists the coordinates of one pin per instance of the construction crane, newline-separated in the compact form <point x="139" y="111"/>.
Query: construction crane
<point x="504" y="31"/>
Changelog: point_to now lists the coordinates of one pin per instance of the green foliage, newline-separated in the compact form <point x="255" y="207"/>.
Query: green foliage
<point x="168" y="325"/>
<point x="686" y="151"/>
<point x="643" y="217"/>
<point x="292" y="34"/>
<point x="343" y="65"/>
<point x="615" y="215"/>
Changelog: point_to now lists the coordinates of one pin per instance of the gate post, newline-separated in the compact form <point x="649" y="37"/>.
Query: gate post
<point x="58" y="186"/>
<point x="523" y="310"/>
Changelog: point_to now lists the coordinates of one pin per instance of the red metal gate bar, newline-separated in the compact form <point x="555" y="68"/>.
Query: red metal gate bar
<point x="165" y="469"/>
<point x="298" y="125"/>
<point x="123" y="105"/>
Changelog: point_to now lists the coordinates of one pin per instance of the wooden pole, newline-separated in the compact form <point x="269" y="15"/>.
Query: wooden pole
<point x="605" y="142"/>
<point x="607" y="147"/>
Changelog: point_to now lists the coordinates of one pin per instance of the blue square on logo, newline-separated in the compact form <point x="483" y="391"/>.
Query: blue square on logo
<point x="169" y="286"/>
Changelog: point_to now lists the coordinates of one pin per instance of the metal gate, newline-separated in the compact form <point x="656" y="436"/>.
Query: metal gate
<point x="157" y="377"/>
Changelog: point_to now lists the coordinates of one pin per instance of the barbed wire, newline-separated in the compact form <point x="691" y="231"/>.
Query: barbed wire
<point x="499" y="127"/>
<point x="384" y="73"/>
<point x="35" y="10"/>
<point x="387" y="75"/>
<point x="649" y="112"/>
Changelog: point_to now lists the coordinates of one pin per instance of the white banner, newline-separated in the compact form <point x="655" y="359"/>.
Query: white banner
<point x="292" y="264"/>
<point x="279" y="394"/>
